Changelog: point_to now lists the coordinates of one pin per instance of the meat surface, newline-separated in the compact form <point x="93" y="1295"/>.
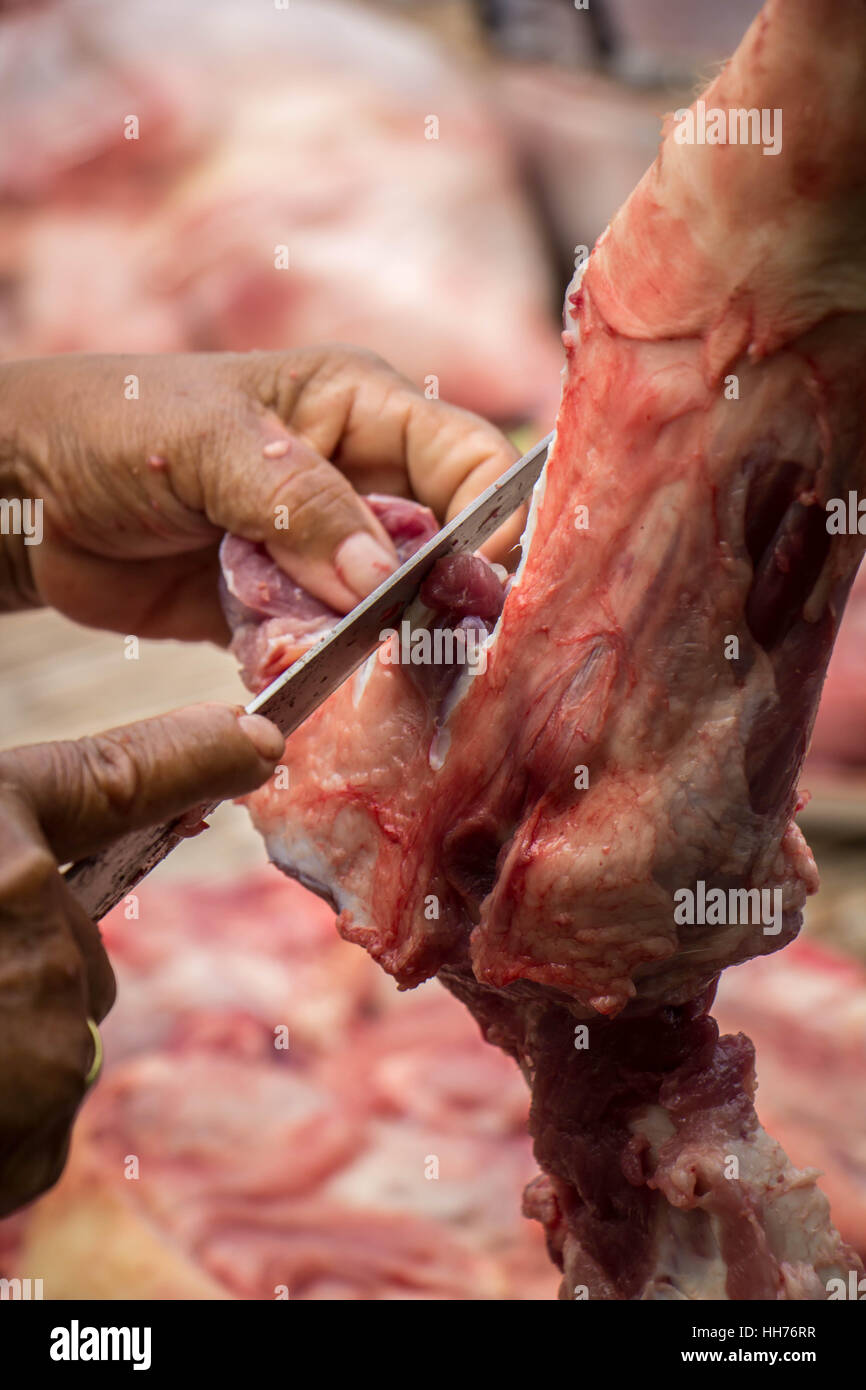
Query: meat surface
<point x="638" y="726"/>
<point x="310" y="127"/>
<point x="379" y="1155"/>
<point x="805" y="1011"/>
<point x="195" y="1088"/>
<point x="637" y="730"/>
<point x="673" y="616"/>
<point x="273" y="620"/>
<point x="664" y="1185"/>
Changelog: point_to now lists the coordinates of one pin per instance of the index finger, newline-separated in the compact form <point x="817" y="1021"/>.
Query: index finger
<point x="374" y="423"/>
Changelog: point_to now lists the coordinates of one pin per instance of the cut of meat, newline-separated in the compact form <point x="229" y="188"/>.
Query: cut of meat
<point x="632" y="741"/>
<point x="273" y="620"/>
<point x="615" y="652"/>
<point x="659" y="1182"/>
<point x="805" y="1011"/>
<point x="421" y="1062"/>
<point x="184" y="1142"/>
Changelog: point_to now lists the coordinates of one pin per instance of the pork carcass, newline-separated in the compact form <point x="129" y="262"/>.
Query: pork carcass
<point x="531" y="830"/>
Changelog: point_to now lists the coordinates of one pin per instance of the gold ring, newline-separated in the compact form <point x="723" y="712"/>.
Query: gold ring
<point x="96" y="1064"/>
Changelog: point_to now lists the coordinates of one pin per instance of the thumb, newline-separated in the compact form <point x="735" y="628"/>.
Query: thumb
<point x="269" y="485"/>
<point x="87" y="792"/>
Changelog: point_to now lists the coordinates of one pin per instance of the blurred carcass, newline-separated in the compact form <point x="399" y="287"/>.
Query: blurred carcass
<point x="805" y="1011"/>
<point x="162" y="153"/>
<point x="307" y="1166"/>
<point x="274" y="1121"/>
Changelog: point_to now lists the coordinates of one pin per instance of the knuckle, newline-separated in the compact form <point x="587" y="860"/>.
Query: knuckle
<point x="59" y="978"/>
<point x="27" y="866"/>
<point x="321" y="496"/>
<point x="338" y="356"/>
<point x="112" y="772"/>
<point x="26" y="872"/>
<point x="45" y="1064"/>
<point x="41" y="968"/>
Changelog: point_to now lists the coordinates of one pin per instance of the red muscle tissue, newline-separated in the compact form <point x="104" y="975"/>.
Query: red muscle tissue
<point x="529" y="831"/>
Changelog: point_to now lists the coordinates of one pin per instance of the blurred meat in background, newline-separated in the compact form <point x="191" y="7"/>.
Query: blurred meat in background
<point x="839" y="737"/>
<point x="274" y="1115"/>
<point x="168" y="151"/>
<point x="430" y="170"/>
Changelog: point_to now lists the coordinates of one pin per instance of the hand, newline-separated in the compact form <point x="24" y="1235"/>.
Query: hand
<point x="138" y="492"/>
<point x="60" y="802"/>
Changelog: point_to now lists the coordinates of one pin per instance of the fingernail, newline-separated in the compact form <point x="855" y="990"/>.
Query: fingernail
<point x="263" y="735"/>
<point x="362" y="563"/>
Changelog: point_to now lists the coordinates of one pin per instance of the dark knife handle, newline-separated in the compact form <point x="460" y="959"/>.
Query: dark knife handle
<point x="103" y="880"/>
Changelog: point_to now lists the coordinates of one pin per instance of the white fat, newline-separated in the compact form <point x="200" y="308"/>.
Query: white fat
<point x="655" y="1123"/>
<point x="305" y="860"/>
<point x="439" y="746"/>
<point x="340" y="862"/>
<point x="531" y="521"/>
<point x="576" y="281"/>
<point x="362" y="676"/>
<point x="688" y="1262"/>
<point x="462" y="683"/>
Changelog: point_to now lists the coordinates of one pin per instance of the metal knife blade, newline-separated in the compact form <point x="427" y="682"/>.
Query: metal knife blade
<point x="101" y="881"/>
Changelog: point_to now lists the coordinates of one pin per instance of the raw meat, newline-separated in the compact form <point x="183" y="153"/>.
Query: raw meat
<point x="639" y="725"/>
<point x="305" y="127"/>
<point x="274" y="620"/>
<point x="805" y="1011"/>
<point x="214" y="968"/>
<point x="307" y="1167"/>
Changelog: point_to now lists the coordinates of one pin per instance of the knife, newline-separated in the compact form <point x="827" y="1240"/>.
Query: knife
<point x="102" y="880"/>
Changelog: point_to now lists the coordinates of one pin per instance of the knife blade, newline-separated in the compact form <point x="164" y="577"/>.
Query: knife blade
<point x="103" y="880"/>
